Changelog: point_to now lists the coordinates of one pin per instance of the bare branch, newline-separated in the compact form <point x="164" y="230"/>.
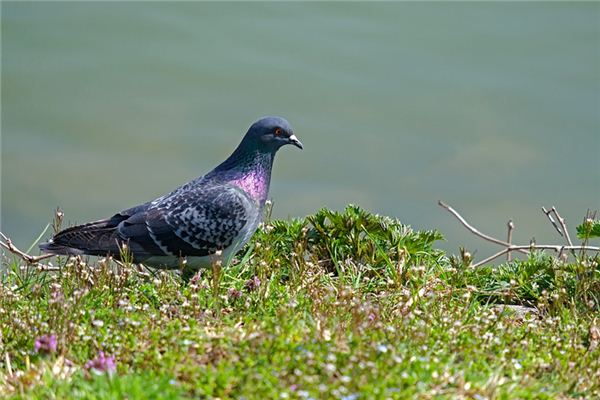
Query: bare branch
<point x="549" y="215"/>
<point x="473" y="230"/>
<point x="558" y="248"/>
<point x="563" y="225"/>
<point x="526" y="249"/>
<point x="492" y="257"/>
<point x="8" y="245"/>
<point x="511" y="227"/>
<point x="555" y="247"/>
<point x="562" y="230"/>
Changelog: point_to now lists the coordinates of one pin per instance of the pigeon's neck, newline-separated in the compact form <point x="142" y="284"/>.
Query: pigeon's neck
<point x="248" y="170"/>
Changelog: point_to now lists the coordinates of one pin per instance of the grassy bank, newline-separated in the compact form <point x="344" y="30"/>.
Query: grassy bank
<point x="338" y="305"/>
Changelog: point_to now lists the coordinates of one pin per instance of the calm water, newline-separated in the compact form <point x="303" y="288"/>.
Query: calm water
<point x="494" y="108"/>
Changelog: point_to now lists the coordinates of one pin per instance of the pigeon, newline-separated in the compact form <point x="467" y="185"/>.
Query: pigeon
<point x="212" y="216"/>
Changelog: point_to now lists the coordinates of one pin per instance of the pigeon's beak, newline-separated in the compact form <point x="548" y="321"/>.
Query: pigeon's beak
<point x="294" y="140"/>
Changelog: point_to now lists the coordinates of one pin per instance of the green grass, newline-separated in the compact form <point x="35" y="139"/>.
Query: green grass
<point x="337" y="305"/>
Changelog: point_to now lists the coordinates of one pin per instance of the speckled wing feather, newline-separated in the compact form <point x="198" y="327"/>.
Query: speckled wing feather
<point x="193" y="222"/>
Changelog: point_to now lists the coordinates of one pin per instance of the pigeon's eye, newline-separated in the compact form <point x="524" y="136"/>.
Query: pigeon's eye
<point x="277" y="131"/>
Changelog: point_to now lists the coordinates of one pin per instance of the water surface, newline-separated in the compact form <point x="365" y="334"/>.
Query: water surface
<point x="492" y="107"/>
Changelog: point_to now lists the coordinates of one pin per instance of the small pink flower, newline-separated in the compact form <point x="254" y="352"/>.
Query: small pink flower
<point x="197" y="278"/>
<point x="45" y="343"/>
<point x="233" y="294"/>
<point x="102" y="364"/>
<point x="253" y="283"/>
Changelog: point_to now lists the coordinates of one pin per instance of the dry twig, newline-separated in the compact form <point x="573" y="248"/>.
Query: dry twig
<point x="511" y="226"/>
<point x="551" y="219"/>
<point x="474" y="230"/>
<point x="562" y="230"/>
<point x="563" y="225"/>
<point x="8" y="245"/>
<point x="509" y="247"/>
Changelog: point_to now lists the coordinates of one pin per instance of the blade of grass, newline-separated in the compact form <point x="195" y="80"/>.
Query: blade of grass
<point x="38" y="238"/>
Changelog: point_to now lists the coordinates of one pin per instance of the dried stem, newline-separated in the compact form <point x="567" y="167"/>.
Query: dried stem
<point x="554" y="224"/>
<point x="511" y="226"/>
<point x="474" y="230"/>
<point x="492" y="257"/>
<point x="563" y="225"/>
<point x="8" y="245"/>
<point x="8" y="363"/>
<point x="558" y="248"/>
<point x="509" y="247"/>
<point x="562" y="230"/>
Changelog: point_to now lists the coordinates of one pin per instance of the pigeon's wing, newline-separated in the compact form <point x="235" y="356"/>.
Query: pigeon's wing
<point x="195" y="222"/>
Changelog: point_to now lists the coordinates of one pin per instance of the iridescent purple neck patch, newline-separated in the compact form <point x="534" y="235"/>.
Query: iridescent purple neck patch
<point x="255" y="183"/>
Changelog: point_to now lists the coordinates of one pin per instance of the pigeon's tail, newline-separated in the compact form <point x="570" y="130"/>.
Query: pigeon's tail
<point x="53" y="248"/>
<point x="98" y="238"/>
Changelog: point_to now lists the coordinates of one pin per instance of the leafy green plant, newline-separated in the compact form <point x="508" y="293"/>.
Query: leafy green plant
<point x="589" y="229"/>
<point x="369" y="241"/>
<point x="335" y="305"/>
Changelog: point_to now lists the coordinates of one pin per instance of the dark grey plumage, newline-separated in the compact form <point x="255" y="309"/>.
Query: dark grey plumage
<point x="216" y="212"/>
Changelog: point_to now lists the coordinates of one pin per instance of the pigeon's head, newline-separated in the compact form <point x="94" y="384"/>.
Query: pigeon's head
<point x="270" y="133"/>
